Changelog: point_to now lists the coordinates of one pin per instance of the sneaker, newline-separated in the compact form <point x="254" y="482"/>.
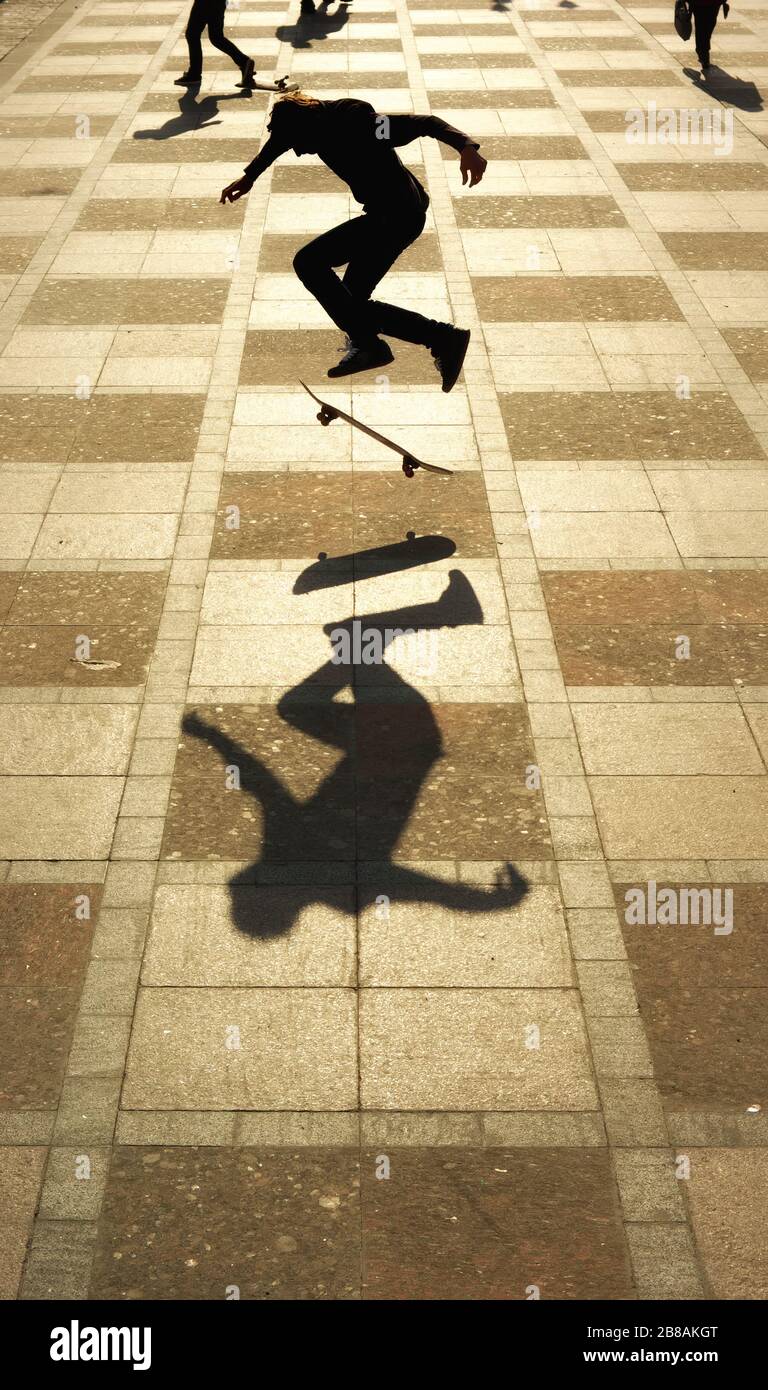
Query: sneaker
<point x="187" y="80"/>
<point x="449" y="353"/>
<point x="249" y="72"/>
<point x="362" y="357"/>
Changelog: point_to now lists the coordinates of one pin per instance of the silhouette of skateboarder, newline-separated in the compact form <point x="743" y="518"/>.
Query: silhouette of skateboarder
<point x="360" y="147"/>
<point x="400" y="731"/>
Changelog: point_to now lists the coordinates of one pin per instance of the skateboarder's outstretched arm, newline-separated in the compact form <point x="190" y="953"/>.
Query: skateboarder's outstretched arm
<point x="266" y="157"/>
<point x="403" y="129"/>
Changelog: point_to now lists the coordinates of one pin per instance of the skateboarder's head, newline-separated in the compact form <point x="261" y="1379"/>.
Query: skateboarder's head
<point x="295" y="120"/>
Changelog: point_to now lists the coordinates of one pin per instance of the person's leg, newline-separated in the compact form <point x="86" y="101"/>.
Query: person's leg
<point x="704" y="19"/>
<point x="198" y="18"/>
<point x="314" y="265"/>
<point x="378" y="248"/>
<point x="217" y="36"/>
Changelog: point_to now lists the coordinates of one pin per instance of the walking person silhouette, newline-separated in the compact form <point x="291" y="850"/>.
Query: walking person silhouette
<point x="360" y="147"/>
<point x="209" y="14"/>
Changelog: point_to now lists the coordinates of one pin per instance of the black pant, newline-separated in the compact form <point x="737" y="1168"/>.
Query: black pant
<point x="209" y="14"/>
<point x="705" y="14"/>
<point x="368" y="246"/>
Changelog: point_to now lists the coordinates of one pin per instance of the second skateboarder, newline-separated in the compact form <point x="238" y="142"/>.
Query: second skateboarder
<point x="360" y="147"/>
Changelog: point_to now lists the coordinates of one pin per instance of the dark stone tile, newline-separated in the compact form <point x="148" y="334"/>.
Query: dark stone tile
<point x="487" y="1224"/>
<point x="186" y="150"/>
<point x="277" y="253"/>
<point x="128" y="301"/>
<point x="44" y="950"/>
<point x="58" y="127"/>
<point x="186" y="1223"/>
<point x="137" y="428"/>
<point x="112" y="428"/>
<point x="145" y="47"/>
<point x="442" y="782"/>
<point x="16" y="252"/>
<point x="716" y="176"/>
<point x="501" y="99"/>
<point x="78" y="82"/>
<point x="140" y="214"/>
<point x="447" y="782"/>
<point x="171" y="105"/>
<point x="718" y="250"/>
<point x="556" y="16"/>
<point x="45" y="655"/>
<point x="521" y="210"/>
<point x="128" y="600"/>
<point x="604" y="44"/>
<point x="295" y="515"/>
<point x="51" y="610"/>
<point x="9" y="583"/>
<point x="36" y="1027"/>
<point x="310" y="353"/>
<point x="619" y="77"/>
<point x="44" y="941"/>
<point x="603" y="597"/>
<point x="284" y="516"/>
<point x="621" y="628"/>
<point x="526" y="147"/>
<point x="482" y="61"/>
<point x="568" y="298"/>
<point x="751" y="348"/>
<point x="732" y="596"/>
<point x="634" y="655"/>
<point x="626" y="424"/>
<point x="353" y="81"/>
<point x="39" y="183"/>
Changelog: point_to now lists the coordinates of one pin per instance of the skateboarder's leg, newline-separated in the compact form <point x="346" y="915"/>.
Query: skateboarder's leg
<point x="217" y="36"/>
<point x="314" y="265"/>
<point x="378" y="250"/>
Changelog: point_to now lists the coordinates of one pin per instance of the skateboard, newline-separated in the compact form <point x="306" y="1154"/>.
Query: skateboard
<point x="328" y="413"/>
<point x="281" y="85"/>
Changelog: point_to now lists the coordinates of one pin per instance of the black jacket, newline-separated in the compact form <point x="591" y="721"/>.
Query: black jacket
<point x="358" y="145"/>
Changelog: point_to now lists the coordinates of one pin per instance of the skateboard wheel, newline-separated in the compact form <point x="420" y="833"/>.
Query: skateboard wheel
<point x="407" y="469"/>
<point x="325" y="417"/>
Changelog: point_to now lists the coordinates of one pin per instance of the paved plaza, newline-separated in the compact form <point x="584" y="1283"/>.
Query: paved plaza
<point x="443" y="976"/>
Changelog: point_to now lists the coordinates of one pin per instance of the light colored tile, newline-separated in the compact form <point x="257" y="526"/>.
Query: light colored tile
<point x="66" y="740"/>
<point x="682" y="817"/>
<point x="58" y="817"/>
<point x="466" y="1050"/>
<point x="679" y="739"/>
<point x="443" y="946"/>
<point x="242" y="1049"/>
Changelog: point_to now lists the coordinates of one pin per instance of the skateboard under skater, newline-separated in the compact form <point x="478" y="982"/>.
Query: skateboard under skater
<point x="328" y="413"/>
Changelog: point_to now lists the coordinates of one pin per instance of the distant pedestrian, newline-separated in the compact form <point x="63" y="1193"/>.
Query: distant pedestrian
<point x="705" y="14"/>
<point x="209" y="14"/>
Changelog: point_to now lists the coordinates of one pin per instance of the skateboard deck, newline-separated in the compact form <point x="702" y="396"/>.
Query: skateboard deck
<point x="328" y="413"/>
<point x="279" y="87"/>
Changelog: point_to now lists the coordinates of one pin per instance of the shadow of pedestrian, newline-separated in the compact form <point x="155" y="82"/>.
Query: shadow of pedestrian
<point x="730" y="90"/>
<point x="389" y="742"/>
<point x="318" y="26"/>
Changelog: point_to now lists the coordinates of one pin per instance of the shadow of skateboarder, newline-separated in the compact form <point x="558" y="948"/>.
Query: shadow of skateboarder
<point x="400" y="733"/>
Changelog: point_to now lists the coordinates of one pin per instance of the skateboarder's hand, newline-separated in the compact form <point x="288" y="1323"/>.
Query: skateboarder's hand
<point x="236" y="190"/>
<point x="472" y="165"/>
